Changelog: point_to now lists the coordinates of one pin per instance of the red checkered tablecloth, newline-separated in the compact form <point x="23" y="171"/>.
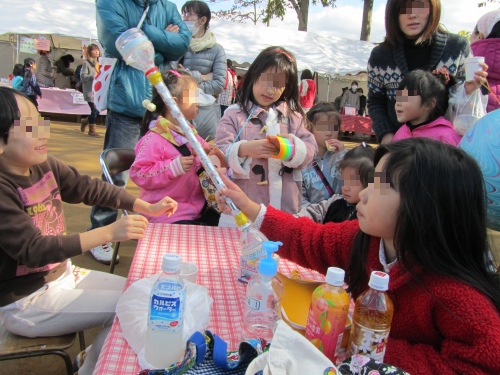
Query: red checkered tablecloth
<point x="358" y="124"/>
<point x="216" y="253"/>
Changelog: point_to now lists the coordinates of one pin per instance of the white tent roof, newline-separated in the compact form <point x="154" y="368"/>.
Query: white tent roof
<point x="322" y="52"/>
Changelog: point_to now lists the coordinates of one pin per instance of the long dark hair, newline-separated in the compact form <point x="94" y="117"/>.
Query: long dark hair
<point x="272" y="57"/>
<point x="18" y="70"/>
<point x="176" y="82"/>
<point x="28" y="64"/>
<point x="394" y="35"/>
<point x="430" y="87"/>
<point x="441" y="221"/>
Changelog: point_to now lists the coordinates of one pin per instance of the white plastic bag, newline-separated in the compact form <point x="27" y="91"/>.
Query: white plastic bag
<point x="132" y="312"/>
<point x="100" y="86"/>
<point x="464" y="110"/>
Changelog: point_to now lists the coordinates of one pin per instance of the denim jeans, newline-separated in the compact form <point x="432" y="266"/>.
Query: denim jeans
<point x="93" y="113"/>
<point x="121" y="132"/>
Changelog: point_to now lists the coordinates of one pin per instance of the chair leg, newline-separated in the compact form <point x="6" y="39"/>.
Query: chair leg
<point x="67" y="360"/>
<point x="81" y="339"/>
<point x="113" y="259"/>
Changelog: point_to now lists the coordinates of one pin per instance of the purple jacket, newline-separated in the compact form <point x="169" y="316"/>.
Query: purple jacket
<point x="158" y="173"/>
<point x="283" y="190"/>
<point x="490" y="49"/>
<point x="440" y="129"/>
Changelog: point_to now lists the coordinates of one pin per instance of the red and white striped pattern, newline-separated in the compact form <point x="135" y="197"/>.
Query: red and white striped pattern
<point x="216" y="253"/>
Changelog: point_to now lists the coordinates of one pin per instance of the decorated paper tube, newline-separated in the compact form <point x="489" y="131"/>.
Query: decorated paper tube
<point x="138" y="51"/>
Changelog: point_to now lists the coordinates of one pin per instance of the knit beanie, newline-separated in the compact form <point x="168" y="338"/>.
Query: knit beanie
<point x="487" y="22"/>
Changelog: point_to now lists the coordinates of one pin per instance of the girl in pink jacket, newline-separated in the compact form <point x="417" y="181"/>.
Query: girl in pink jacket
<point x="268" y="106"/>
<point x="421" y="102"/>
<point x="164" y="163"/>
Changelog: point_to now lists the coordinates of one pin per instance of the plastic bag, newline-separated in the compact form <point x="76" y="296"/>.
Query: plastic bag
<point x="132" y="312"/>
<point x="464" y="110"/>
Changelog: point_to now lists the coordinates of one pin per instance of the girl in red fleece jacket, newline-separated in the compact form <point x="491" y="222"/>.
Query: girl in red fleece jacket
<point x="422" y="220"/>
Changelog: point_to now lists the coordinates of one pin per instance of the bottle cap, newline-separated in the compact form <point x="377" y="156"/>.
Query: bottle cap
<point x="335" y="276"/>
<point x="268" y="266"/>
<point x="171" y="263"/>
<point x="379" y="281"/>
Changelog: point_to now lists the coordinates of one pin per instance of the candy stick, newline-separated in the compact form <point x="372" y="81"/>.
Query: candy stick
<point x="138" y="51"/>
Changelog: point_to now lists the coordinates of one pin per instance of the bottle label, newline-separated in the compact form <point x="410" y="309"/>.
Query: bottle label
<point x="326" y="321"/>
<point x="167" y="307"/>
<point x="369" y="342"/>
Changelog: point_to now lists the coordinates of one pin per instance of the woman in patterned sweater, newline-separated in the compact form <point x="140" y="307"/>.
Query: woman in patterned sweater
<point x="414" y="40"/>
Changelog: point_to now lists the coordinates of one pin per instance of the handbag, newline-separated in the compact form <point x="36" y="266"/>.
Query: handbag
<point x="100" y="86"/>
<point x="206" y="353"/>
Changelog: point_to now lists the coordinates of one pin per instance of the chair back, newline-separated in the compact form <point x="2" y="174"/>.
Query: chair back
<point x="116" y="160"/>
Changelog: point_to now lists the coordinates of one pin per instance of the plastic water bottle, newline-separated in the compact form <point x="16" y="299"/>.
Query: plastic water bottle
<point x="262" y="310"/>
<point x="251" y="241"/>
<point x="328" y="314"/>
<point x="371" y="322"/>
<point x="164" y="343"/>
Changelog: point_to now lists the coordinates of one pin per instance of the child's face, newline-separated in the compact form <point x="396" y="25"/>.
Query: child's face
<point x="27" y="143"/>
<point x="351" y="185"/>
<point x="188" y="103"/>
<point x="378" y="205"/>
<point x="413" y="18"/>
<point x="269" y="87"/>
<point x="409" y="108"/>
<point x="326" y="126"/>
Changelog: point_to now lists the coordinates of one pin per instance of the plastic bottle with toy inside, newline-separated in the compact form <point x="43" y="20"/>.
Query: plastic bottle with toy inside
<point x="262" y="307"/>
<point x="328" y="314"/>
<point x="251" y="241"/>
<point x="372" y="318"/>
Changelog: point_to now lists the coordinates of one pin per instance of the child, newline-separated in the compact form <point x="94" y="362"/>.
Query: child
<point x="356" y="170"/>
<point x="30" y="85"/>
<point x="17" y="81"/>
<point x="321" y="177"/>
<point x="421" y="102"/>
<point x="423" y="221"/>
<point x="164" y="163"/>
<point x="268" y="106"/>
<point x="41" y="292"/>
<point x="307" y="90"/>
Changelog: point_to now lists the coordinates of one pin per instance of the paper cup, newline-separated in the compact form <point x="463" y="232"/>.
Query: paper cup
<point x="472" y="66"/>
<point x="189" y="272"/>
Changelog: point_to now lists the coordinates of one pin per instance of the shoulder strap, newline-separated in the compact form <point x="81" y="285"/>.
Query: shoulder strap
<point x="183" y="149"/>
<point x="322" y="177"/>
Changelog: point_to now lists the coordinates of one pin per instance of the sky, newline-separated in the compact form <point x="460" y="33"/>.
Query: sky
<point x="345" y="19"/>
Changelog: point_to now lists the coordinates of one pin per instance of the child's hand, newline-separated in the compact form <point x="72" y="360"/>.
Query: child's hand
<point x="187" y="163"/>
<point x="131" y="227"/>
<point x="165" y="206"/>
<point x="259" y="148"/>
<point x="336" y="143"/>
<point x="240" y="199"/>
<point x="479" y="80"/>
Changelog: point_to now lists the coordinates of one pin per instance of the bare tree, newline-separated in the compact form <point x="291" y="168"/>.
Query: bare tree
<point x="366" y="25"/>
<point x="301" y="7"/>
<point x="483" y="3"/>
<point x="243" y="10"/>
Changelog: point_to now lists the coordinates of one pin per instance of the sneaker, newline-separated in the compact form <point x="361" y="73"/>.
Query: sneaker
<point x="80" y="358"/>
<point x="104" y="253"/>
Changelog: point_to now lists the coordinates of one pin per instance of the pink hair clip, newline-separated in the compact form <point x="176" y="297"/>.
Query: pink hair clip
<point x="175" y="73"/>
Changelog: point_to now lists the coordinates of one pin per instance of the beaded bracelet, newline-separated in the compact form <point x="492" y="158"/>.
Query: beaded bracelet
<point x="287" y="148"/>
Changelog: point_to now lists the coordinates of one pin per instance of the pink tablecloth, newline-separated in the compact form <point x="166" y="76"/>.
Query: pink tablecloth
<point x="216" y="252"/>
<point x="62" y="101"/>
<point x="358" y="124"/>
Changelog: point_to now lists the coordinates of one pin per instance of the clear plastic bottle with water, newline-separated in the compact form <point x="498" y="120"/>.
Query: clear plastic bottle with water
<point x="372" y="318"/>
<point x="262" y="309"/>
<point x="164" y="341"/>
<point x="251" y="241"/>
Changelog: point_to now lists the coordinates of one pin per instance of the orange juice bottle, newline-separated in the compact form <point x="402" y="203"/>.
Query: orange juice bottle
<point x="372" y="318"/>
<point x="328" y="314"/>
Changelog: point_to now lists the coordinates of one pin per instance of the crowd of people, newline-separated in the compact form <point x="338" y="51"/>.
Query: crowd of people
<point x="414" y="207"/>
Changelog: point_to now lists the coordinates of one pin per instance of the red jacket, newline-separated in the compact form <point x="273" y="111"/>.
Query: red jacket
<point x="307" y="98"/>
<point x="444" y="327"/>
